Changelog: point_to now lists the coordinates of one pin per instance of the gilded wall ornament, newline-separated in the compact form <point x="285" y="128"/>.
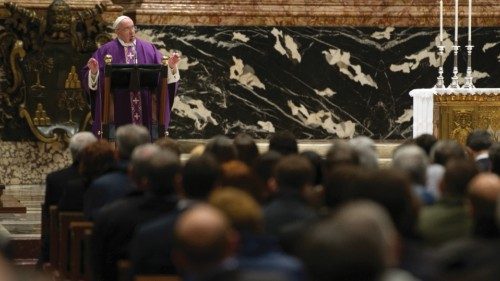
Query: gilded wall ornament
<point x="44" y="54"/>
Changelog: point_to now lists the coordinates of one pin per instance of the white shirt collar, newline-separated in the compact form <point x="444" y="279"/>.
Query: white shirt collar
<point x="482" y="155"/>
<point x="127" y="44"/>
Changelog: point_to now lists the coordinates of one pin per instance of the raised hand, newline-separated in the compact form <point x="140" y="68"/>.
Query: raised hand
<point x="93" y="65"/>
<point x="174" y="59"/>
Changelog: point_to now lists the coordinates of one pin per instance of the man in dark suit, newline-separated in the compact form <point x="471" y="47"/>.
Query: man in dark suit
<point x="288" y="215"/>
<point x="478" y="143"/>
<point x="115" y="184"/>
<point x="156" y="174"/>
<point x="151" y="246"/>
<point x="55" y="183"/>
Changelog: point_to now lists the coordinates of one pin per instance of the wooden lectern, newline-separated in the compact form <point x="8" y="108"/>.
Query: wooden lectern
<point x="135" y="77"/>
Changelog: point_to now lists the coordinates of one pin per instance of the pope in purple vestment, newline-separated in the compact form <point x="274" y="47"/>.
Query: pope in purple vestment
<point x="129" y="107"/>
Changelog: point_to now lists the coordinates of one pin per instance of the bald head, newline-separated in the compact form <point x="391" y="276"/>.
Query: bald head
<point x="201" y="251"/>
<point x="484" y="190"/>
<point x="485" y="186"/>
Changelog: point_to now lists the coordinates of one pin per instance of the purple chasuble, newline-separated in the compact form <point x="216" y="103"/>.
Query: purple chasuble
<point x="124" y="109"/>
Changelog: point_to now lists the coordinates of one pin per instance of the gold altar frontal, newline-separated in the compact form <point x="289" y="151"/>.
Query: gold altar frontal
<point x="458" y="114"/>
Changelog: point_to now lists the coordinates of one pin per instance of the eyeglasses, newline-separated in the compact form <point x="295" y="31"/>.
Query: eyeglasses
<point x="129" y="28"/>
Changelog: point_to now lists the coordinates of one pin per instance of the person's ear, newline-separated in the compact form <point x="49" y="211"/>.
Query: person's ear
<point x="272" y="185"/>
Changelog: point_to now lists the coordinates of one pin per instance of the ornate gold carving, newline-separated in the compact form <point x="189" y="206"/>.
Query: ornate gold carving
<point x="17" y="52"/>
<point x="457" y="114"/>
<point x="25" y="114"/>
<point x="108" y="58"/>
<point x="59" y="22"/>
<point x="487" y="96"/>
<point x="72" y="82"/>
<point x="72" y="99"/>
<point x="462" y="125"/>
<point x="36" y="44"/>
<point x="41" y="118"/>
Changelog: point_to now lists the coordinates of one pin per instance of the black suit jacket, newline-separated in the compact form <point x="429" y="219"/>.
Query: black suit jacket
<point x="115" y="225"/>
<point x="152" y="244"/>
<point x="107" y="188"/>
<point x="54" y="186"/>
<point x="56" y="181"/>
<point x="72" y="196"/>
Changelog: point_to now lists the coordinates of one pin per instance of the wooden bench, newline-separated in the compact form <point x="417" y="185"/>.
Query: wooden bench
<point x="124" y="267"/>
<point x="79" y="257"/>
<point x="54" y="237"/>
<point x="87" y="238"/>
<point x="65" y="219"/>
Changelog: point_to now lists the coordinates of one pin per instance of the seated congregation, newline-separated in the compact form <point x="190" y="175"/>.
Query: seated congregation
<point x="230" y="212"/>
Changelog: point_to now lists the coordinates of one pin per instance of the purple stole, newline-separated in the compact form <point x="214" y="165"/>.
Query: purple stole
<point x="135" y="97"/>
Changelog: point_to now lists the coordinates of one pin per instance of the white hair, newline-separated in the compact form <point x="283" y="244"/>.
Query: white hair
<point x="78" y="142"/>
<point x="367" y="152"/>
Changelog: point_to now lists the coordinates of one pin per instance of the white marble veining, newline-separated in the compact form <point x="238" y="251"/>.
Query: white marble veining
<point x="193" y="109"/>
<point x="245" y="74"/>
<point x="386" y="34"/>
<point x="405" y="117"/>
<point x="290" y="49"/>
<point x="488" y="46"/>
<point x="428" y="54"/>
<point x="240" y="36"/>
<point x="342" y="59"/>
<point x="318" y="82"/>
<point x="325" y="93"/>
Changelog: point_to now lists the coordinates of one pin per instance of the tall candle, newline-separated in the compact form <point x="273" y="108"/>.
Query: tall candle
<point x="456" y="20"/>
<point x="470" y="20"/>
<point x="441" y="20"/>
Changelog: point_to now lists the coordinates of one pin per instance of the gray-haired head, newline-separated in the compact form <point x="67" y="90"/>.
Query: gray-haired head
<point x="140" y="161"/>
<point x="413" y="160"/>
<point x="163" y="172"/>
<point x="78" y="142"/>
<point x="367" y="152"/>
<point x="444" y="150"/>
<point x="340" y="153"/>
<point x="128" y="137"/>
<point x="358" y="243"/>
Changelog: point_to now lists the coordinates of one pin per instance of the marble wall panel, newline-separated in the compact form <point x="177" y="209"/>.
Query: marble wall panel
<point x="318" y="82"/>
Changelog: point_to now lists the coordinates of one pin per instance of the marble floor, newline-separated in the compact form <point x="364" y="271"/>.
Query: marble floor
<point x="23" y="225"/>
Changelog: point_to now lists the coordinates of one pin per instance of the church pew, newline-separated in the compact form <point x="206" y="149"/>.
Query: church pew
<point x="78" y="257"/>
<point x="65" y="219"/>
<point x="87" y="242"/>
<point x="124" y="267"/>
<point x="54" y="237"/>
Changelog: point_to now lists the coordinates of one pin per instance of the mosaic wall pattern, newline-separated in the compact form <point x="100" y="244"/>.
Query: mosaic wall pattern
<point x="30" y="162"/>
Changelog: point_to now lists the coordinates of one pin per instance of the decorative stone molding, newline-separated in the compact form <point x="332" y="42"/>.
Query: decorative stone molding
<point x="421" y="13"/>
<point x="40" y="7"/>
<point x="310" y="13"/>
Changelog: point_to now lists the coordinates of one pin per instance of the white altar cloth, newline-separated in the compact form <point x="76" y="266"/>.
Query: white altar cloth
<point x="423" y="105"/>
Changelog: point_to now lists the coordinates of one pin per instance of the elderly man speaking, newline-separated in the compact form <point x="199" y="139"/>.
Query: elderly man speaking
<point x="129" y="107"/>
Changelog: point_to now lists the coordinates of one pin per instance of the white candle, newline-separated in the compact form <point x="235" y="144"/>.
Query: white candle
<point x="441" y="20"/>
<point x="456" y="20"/>
<point x="470" y="20"/>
